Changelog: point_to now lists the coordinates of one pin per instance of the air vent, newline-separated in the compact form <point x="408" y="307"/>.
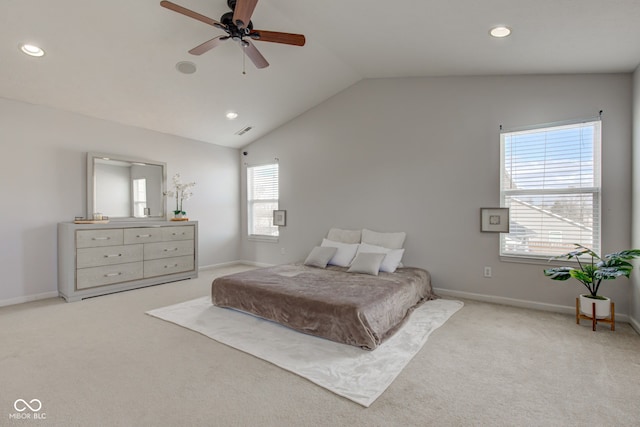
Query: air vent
<point x="244" y="130"/>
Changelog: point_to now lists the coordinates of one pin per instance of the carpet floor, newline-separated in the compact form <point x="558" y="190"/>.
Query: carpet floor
<point x="104" y="362"/>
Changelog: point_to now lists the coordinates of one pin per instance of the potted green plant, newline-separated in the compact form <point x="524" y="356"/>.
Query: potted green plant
<point x="591" y="272"/>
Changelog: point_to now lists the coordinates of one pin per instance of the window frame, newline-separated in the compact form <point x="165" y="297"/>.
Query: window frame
<point x="506" y="195"/>
<point x="251" y="202"/>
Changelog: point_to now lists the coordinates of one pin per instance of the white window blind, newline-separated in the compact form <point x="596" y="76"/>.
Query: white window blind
<point x="139" y="197"/>
<point x="262" y="199"/>
<point x="550" y="180"/>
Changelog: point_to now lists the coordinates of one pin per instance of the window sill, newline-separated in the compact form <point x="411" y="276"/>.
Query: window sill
<point x="268" y="239"/>
<point x="544" y="261"/>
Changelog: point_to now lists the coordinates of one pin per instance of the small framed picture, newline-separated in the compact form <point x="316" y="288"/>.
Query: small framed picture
<point x="280" y="218"/>
<point x="494" y="220"/>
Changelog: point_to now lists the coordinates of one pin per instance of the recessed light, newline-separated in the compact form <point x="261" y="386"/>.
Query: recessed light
<point x="32" y="50"/>
<point x="500" y="31"/>
<point x="232" y="115"/>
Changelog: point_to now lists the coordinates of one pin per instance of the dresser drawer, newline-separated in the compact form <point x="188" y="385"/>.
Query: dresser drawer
<point x="184" y="232"/>
<point x="106" y="275"/>
<point x="160" y="267"/>
<point x="168" y="249"/>
<point x="97" y="238"/>
<point x="108" y="255"/>
<point x="142" y="235"/>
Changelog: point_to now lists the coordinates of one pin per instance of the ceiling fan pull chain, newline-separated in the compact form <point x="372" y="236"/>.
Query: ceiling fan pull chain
<point x="244" y="56"/>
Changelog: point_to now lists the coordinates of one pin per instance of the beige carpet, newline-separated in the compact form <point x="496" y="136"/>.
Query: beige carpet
<point x="103" y="362"/>
<point x="357" y="374"/>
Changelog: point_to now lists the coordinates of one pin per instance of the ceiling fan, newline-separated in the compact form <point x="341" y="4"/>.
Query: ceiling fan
<point x="238" y="26"/>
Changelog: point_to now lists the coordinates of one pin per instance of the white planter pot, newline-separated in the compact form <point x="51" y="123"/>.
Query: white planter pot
<point x="603" y="306"/>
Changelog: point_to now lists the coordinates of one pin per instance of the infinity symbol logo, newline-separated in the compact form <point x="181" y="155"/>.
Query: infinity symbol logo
<point x="21" y="405"/>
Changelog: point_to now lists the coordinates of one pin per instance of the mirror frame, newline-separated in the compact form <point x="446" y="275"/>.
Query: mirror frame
<point x="91" y="181"/>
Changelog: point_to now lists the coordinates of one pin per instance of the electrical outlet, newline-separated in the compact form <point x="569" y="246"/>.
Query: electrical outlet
<point x="283" y="251"/>
<point x="487" y="272"/>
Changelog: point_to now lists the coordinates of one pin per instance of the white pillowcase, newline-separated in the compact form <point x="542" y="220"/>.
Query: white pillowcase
<point x="345" y="253"/>
<point x="386" y="240"/>
<point x="319" y="256"/>
<point x="366" y="263"/>
<point x="392" y="257"/>
<point x="344" y="236"/>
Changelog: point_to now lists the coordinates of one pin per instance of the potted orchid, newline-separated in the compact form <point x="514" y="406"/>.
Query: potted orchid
<point x="181" y="192"/>
<point x="591" y="270"/>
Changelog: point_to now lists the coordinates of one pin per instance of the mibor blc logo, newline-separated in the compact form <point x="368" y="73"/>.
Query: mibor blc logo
<point x="27" y="410"/>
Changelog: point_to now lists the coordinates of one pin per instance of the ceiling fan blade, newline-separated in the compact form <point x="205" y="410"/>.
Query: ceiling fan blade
<point x="277" y="37"/>
<point x="254" y="55"/>
<point x="189" y="13"/>
<point x="208" y="45"/>
<point x="243" y="11"/>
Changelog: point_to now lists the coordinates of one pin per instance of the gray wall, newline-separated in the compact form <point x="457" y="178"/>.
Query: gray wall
<point x="634" y="311"/>
<point x="422" y="155"/>
<point x="42" y="173"/>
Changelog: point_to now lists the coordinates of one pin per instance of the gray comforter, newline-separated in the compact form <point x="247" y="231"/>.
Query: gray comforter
<point x="356" y="309"/>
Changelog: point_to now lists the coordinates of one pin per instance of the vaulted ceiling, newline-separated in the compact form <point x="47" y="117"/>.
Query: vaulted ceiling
<point x="116" y="59"/>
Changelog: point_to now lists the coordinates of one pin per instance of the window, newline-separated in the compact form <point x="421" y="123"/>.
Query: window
<point x="550" y="180"/>
<point x="139" y="197"/>
<point x="262" y="199"/>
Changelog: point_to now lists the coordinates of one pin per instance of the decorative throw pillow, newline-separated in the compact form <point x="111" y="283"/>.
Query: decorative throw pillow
<point x="344" y="236"/>
<point x="367" y="263"/>
<point x="319" y="256"/>
<point x="386" y="240"/>
<point x="392" y="257"/>
<point x="345" y="253"/>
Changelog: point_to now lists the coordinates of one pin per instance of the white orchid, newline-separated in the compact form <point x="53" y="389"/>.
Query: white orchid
<point x="181" y="192"/>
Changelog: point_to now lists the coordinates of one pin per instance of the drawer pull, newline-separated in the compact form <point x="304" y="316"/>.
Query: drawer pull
<point x="143" y="235"/>
<point x="171" y="266"/>
<point x="178" y="234"/>
<point x="170" y="250"/>
<point x="112" y="255"/>
<point x="101" y="238"/>
<point x="112" y="274"/>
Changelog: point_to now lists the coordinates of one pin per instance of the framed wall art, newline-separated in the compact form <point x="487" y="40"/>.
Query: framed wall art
<point x="494" y="220"/>
<point x="280" y="218"/>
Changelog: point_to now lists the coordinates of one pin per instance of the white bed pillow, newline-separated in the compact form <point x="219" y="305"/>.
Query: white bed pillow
<point x="344" y="236"/>
<point x="366" y="263"/>
<point x="345" y="253"/>
<point x="392" y="257"/>
<point x="320" y="256"/>
<point x="386" y="240"/>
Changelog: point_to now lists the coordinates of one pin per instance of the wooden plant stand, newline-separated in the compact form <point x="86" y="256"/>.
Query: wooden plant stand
<point x="611" y="320"/>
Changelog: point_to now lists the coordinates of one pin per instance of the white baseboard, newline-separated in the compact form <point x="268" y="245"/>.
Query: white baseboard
<point x="634" y="324"/>
<point x="222" y="264"/>
<point x="232" y="263"/>
<point x="554" y="308"/>
<point x="256" y="264"/>
<point x="28" y="298"/>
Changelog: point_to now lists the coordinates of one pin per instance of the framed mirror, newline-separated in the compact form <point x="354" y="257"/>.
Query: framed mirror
<point x="125" y="188"/>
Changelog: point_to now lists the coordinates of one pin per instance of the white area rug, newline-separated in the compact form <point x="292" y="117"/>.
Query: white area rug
<point x="359" y="375"/>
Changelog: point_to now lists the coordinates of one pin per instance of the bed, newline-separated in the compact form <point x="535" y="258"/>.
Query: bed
<point x="351" y="308"/>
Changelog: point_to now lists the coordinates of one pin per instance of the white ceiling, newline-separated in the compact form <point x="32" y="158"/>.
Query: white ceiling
<point x="116" y="59"/>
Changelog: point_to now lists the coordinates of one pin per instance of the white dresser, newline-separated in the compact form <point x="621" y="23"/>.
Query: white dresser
<point x="98" y="259"/>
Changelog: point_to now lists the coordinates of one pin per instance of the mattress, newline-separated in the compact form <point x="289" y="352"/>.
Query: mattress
<point x="356" y="309"/>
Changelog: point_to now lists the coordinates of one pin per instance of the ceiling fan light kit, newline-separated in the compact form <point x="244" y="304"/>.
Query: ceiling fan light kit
<point x="238" y="26"/>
